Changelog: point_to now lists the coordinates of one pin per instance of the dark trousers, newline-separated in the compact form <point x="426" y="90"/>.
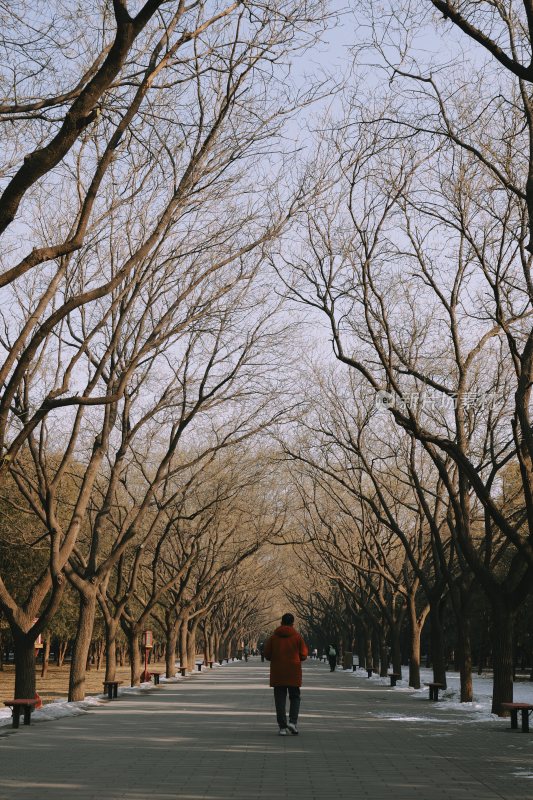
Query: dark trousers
<point x="280" y="698"/>
<point x="332" y="662"/>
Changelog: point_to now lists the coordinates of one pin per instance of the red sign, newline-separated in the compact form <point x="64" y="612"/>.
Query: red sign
<point x="148" y="640"/>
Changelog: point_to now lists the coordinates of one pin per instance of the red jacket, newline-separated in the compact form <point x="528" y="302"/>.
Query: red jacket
<point x="285" y="650"/>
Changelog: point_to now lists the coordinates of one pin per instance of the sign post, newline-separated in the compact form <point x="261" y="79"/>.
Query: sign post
<point x="148" y="643"/>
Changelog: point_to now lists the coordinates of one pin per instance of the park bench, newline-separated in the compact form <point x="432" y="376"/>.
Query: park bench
<point x="111" y="687"/>
<point x="156" y="676"/>
<point x="199" y="665"/>
<point x="514" y="708"/>
<point x="18" y="706"/>
<point x="394" y="676"/>
<point x="434" y="690"/>
<point x="183" y="671"/>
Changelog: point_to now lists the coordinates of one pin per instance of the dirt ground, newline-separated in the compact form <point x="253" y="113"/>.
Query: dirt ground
<point x="55" y="685"/>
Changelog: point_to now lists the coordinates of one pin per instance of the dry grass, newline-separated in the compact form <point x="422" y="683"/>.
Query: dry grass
<point x="55" y="685"/>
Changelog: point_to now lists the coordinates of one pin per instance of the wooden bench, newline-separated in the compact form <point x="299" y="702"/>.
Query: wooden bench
<point x="434" y="690"/>
<point x="111" y="687"/>
<point x="183" y="671"/>
<point x="17" y="706"/>
<point x="394" y="676"/>
<point x="156" y="676"/>
<point x="514" y="708"/>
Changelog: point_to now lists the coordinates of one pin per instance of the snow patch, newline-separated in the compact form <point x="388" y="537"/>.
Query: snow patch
<point x="57" y="709"/>
<point x="523" y="773"/>
<point x="406" y="718"/>
<point x="479" y="710"/>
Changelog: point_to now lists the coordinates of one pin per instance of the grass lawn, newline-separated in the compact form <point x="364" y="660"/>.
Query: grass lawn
<point x="55" y="685"/>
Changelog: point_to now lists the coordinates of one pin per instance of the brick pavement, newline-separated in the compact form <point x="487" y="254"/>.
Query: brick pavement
<point x="214" y="736"/>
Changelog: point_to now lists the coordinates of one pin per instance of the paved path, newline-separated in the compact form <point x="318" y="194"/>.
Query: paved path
<point x="214" y="736"/>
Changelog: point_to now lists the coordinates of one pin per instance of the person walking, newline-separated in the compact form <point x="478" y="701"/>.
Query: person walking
<point x="286" y="650"/>
<point x="332" y="658"/>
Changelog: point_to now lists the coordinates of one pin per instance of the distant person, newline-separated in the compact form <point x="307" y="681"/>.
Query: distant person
<point x="286" y="650"/>
<point x="332" y="658"/>
<point x="314" y="653"/>
<point x="246" y="652"/>
<point x="262" y="650"/>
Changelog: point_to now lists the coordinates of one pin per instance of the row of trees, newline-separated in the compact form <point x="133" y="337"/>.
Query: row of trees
<point x="211" y="611"/>
<point x="146" y="172"/>
<point x="213" y="626"/>
<point x="152" y="175"/>
<point x="416" y="467"/>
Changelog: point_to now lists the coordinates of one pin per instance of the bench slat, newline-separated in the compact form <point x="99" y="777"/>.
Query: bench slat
<point x="18" y="705"/>
<point x="21" y="702"/>
<point x="514" y="708"/>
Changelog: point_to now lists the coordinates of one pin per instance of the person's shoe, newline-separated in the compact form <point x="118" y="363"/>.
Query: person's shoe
<point x="283" y="731"/>
<point x="291" y="726"/>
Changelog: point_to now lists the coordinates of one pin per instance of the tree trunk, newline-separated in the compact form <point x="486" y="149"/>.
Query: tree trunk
<point x="111" y="630"/>
<point x="383" y="657"/>
<point x="502" y="656"/>
<point x="82" y="644"/>
<point x="212" y="646"/>
<point x="135" y="656"/>
<point x="414" y="645"/>
<point x="223" y="648"/>
<point x="207" y="657"/>
<point x="46" y="656"/>
<point x="99" y="653"/>
<point x="191" y="649"/>
<point x="396" y="650"/>
<point x="464" y="648"/>
<point x="437" y="643"/>
<point x="25" y="686"/>
<point x="360" y="648"/>
<point x="61" y="653"/>
<point x="89" y="662"/>
<point x="481" y="659"/>
<point x="170" y="654"/>
<point x="224" y="639"/>
<point x="184" y="635"/>
<point x="368" y="651"/>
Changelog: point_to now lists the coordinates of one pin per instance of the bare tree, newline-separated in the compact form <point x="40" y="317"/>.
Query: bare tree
<point x="416" y="328"/>
<point x="92" y="328"/>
